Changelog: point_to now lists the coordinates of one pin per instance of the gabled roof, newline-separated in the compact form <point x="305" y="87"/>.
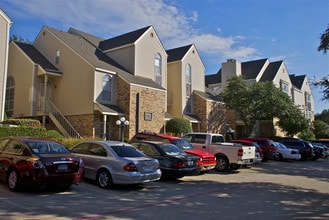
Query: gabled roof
<point x="37" y="57"/>
<point x="125" y="39"/>
<point x="297" y="81"/>
<point x="91" y="38"/>
<point x="98" y="59"/>
<point x="271" y="71"/>
<point x="251" y="69"/>
<point x="207" y="95"/>
<point x="177" y="53"/>
<point x="214" y="78"/>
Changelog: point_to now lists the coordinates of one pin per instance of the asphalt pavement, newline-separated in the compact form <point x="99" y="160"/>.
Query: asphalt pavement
<point x="270" y="190"/>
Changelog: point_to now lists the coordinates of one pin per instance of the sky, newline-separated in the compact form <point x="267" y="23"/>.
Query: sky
<point x="244" y="30"/>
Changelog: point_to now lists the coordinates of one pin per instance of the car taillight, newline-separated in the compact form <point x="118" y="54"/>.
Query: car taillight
<point x="179" y="164"/>
<point x="36" y="163"/>
<point x="240" y="152"/>
<point x="130" y="167"/>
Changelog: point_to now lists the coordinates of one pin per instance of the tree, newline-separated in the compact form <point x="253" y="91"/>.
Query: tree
<point x="324" y="85"/>
<point x="262" y="101"/>
<point x="178" y="126"/>
<point x="323" y="116"/>
<point x="324" y="82"/>
<point x="324" y="41"/>
<point x="19" y="39"/>
<point x="292" y="120"/>
<point x="320" y="129"/>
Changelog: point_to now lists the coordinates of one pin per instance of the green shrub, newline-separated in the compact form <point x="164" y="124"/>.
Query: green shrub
<point x="22" y="122"/>
<point x="6" y="131"/>
<point x="178" y="126"/>
<point x="55" y="135"/>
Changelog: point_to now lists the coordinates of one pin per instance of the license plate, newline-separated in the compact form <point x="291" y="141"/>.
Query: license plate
<point x="190" y="163"/>
<point x="62" y="167"/>
<point x="148" y="168"/>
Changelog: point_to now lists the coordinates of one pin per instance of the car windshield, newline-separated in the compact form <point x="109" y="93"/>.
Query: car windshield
<point x="47" y="147"/>
<point x="171" y="150"/>
<point x="183" y="144"/>
<point x="126" y="151"/>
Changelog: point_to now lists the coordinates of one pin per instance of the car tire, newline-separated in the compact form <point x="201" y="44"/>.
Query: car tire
<point x="13" y="181"/>
<point x="222" y="164"/>
<point x="104" y="179"/>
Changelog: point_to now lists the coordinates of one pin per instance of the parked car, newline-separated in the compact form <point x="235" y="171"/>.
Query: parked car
<point x="228" y="155"/>
<point x="258" y="151"/>
<point x="114" y="162"/>
<point x="268" y="147"/>
<point x="304" y="147"/>
<point x="207" y="161"/>
<point x="320" y="150"/>
<point x="174" y="162"/>
<point x="30" y="162"/>
<point x="325" y="148"/>
<point x="286" y="153"/>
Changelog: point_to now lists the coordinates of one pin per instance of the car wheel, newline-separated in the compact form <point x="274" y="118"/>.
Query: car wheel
<point x="13" y="181"/>
<point x="104" y="179"/>
<point x="222" y="163"/>
<point x="280" y="157"/>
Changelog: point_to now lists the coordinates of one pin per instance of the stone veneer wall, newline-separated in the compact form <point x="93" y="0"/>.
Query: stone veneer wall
<point x="211" y="113"/>
<point x="150" y="101"/>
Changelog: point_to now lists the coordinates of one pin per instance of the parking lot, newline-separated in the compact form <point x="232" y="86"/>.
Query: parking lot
<point x="270" y="190"/>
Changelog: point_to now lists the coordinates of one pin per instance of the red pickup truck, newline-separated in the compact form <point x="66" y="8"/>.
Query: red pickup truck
<point x="207" y="162"/>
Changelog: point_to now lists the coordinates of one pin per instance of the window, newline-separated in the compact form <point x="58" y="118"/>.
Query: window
<point x="10" y="93"/>
<point x="285" y="87"/>
<point x="188" y="84"/>
<point x="308" y="101"/>
<point x="107" y="88"/>
<point x="57" y="57"/>
<point x="158" y="69"/>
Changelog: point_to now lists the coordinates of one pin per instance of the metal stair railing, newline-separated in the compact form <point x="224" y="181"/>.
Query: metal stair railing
<point x="61" y="122"/>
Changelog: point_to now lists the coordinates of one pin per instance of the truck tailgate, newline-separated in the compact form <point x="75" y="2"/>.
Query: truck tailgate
<point x="249" y="152"/>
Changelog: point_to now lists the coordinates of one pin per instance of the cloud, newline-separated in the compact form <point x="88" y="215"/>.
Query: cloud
<point x="107" y="18"/>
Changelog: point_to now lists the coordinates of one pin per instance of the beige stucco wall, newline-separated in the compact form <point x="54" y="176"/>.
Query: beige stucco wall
<point x="175" y="89"/>
<point x="23" y="74"/>
<point x="146" y="49"/>
<point x="73" y="93"/>
<point x="176" y="86"/>
<point x="5" y="24"/>
<point x="283" y="76"/>
<point x="125" y="56"/>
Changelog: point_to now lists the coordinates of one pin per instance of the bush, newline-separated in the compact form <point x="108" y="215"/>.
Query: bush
<point x="55" y="135"/>
<point x="22" y="122"/>
<point x="6" y="131"/>
<point x="178" y="126"/>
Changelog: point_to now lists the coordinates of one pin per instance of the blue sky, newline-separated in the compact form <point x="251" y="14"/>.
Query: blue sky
<point x="244" y="30"/>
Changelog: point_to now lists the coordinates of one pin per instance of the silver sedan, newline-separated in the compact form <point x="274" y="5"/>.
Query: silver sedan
<point x="113" y="162"/>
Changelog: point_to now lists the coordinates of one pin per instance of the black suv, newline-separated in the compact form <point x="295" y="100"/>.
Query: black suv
<point x="305" y="147"/>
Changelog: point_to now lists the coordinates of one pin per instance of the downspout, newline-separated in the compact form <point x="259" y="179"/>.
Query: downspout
<point x="33" y="97"/>
<point x="104" y="126"/>
<point x="2" y="115"/>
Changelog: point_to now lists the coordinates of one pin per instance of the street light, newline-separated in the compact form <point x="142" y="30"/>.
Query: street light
<point x="122" y="123"/>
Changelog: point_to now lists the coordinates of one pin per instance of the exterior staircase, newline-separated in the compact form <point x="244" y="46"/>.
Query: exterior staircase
<point x="61" y="122"/>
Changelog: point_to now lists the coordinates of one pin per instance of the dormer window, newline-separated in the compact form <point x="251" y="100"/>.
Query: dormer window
<point x="158" y="69"/>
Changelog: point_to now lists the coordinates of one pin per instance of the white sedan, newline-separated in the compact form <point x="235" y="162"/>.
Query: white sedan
<point x="285" y="153"/>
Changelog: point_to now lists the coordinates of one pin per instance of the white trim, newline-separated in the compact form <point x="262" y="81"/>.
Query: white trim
<point x="105" y="71"/>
